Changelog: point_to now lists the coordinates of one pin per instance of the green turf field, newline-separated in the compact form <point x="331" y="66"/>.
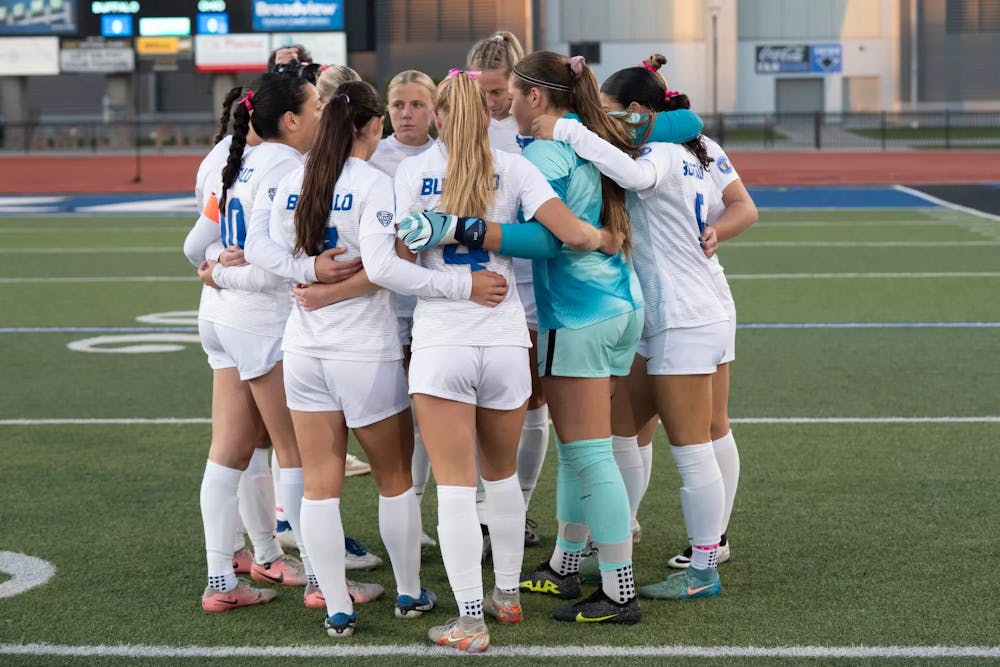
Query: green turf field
<point x="871" y="531"/>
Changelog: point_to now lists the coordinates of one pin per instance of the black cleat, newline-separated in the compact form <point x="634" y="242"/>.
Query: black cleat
<point x="599" y="608"/>
<point x="545" y="580"/>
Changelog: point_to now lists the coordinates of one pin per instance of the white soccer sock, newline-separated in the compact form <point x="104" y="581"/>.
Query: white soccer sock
<point x="571" y="539"/>
<point x="420" y="464"/>
<point x="400" y="528"/>
<point x="702" y="493"/>
<point x="505" y="508"/>
<point x="461" y="543"/>
<point x="646" y="454"/>
<point x="531" y="450"/>
<point x="291" y="499"/>
<point x="256" y="495"/>
<point x="323" y="534"/>
<point x="219" y="514"/>
<point x="618" y="584"/>
<point x="279" y="511"/>
<point x="728" y="458"/>
<point x="626" y="451"/>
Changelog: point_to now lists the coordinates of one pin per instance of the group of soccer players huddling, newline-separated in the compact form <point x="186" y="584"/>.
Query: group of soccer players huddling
<point x="550" y="255"/>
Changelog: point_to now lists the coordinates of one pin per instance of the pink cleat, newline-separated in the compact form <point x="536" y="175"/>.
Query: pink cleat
<point x="285" y="571"/>
<point x="360" y="594"/>
<point x="242" y="561"/>
<point x="244" y="595"/>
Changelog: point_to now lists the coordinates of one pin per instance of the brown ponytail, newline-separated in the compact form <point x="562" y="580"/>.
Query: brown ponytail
<point x="353" y="105"/>
<point x="554" y="75"/>
<point x="227" y="112"/>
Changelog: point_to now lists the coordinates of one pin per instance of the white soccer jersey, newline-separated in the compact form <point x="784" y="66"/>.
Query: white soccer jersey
<point x="210" y="168"/>
<point x="520" y="187"/>
<point x="503" y="134"/>
<point x="667" y="220"/>
<point x="391" y="151"/>
<point x="503" y="137"/>
<point x="387" y="156"/>
<point x="358" y="329"/>
<point x="260" y="312"/>
<point x="723" y="173"/>
<point x="203" y="241"/>
<point x="667" y="205"/>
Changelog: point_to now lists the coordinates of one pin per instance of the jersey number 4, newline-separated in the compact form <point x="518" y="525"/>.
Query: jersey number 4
<point x="474" y="258"/>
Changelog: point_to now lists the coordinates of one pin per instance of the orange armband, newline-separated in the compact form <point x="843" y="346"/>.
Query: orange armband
<point x="211" y="210"/>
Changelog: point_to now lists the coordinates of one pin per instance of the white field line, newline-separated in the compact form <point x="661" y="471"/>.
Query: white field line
<point x="856" y="223"/>
<point x="513" y="651"/>
<point x="88" y="251"/>
<point x="99" y="279"/>
<point x="947" y="204"/>
<point x="175" y="421"/>
<point x="130" y="228"/>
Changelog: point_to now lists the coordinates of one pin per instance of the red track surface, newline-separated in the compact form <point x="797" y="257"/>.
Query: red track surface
<point x="175" y="173"/>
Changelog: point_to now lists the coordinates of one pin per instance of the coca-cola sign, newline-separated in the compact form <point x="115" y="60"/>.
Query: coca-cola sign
<point x="772" y="59"/>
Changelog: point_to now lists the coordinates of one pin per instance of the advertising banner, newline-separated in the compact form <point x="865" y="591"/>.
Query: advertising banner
<point x="327" y="48"/>
<point x="37" y="17"/>
<point x="96" y="55"/>
<point x="801" y="58"/>
<point x="231" y="53"/>
<point x="295" y="15"/>
<point x="28" y="56"/>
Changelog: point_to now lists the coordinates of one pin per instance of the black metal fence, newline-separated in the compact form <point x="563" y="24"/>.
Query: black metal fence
<point x="879" y="131"/>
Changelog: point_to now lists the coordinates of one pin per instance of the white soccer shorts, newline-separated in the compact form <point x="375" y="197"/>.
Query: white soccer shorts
<point x="365" y="391"/>
<point x="687" y="351"/>
<point x="489" y="377"/>
<point x="251" y="354"/>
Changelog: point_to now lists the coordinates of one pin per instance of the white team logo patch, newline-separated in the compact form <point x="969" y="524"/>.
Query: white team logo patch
<point x="384" y="217"/>
<point x="271" y="192"/>
<point x="724" y="166"/>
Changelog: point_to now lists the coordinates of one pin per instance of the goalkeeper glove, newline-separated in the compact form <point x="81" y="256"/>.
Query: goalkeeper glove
<point x="427" y="229"/>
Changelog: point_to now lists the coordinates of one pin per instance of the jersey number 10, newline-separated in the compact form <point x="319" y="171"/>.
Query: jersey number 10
<point x="234" y="224"/>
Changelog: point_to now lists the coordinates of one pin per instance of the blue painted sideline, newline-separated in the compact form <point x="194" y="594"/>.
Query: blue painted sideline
<point x="183" y="202"/>
<point x="836" y="197"/>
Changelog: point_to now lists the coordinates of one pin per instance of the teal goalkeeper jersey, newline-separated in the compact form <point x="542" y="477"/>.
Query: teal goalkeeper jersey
<point x="575" y="289"/>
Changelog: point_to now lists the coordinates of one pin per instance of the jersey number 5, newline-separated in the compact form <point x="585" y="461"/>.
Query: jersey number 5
<point x="474" y="258"/>
<point x="699" y="201"/>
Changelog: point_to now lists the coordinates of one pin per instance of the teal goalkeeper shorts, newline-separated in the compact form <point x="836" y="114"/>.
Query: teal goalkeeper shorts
<point x="602" y="349"/>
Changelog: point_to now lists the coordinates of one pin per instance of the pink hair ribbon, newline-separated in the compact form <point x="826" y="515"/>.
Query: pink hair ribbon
<point x="455" y="71"/>
<point x="247" y="100"/>
<point x="645" y="63"/>
<point x="576" y="64"/>
<point x="670" y="94"/>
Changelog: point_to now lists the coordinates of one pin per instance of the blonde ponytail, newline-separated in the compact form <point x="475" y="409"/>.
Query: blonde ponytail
<point x="468" y="188"/>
